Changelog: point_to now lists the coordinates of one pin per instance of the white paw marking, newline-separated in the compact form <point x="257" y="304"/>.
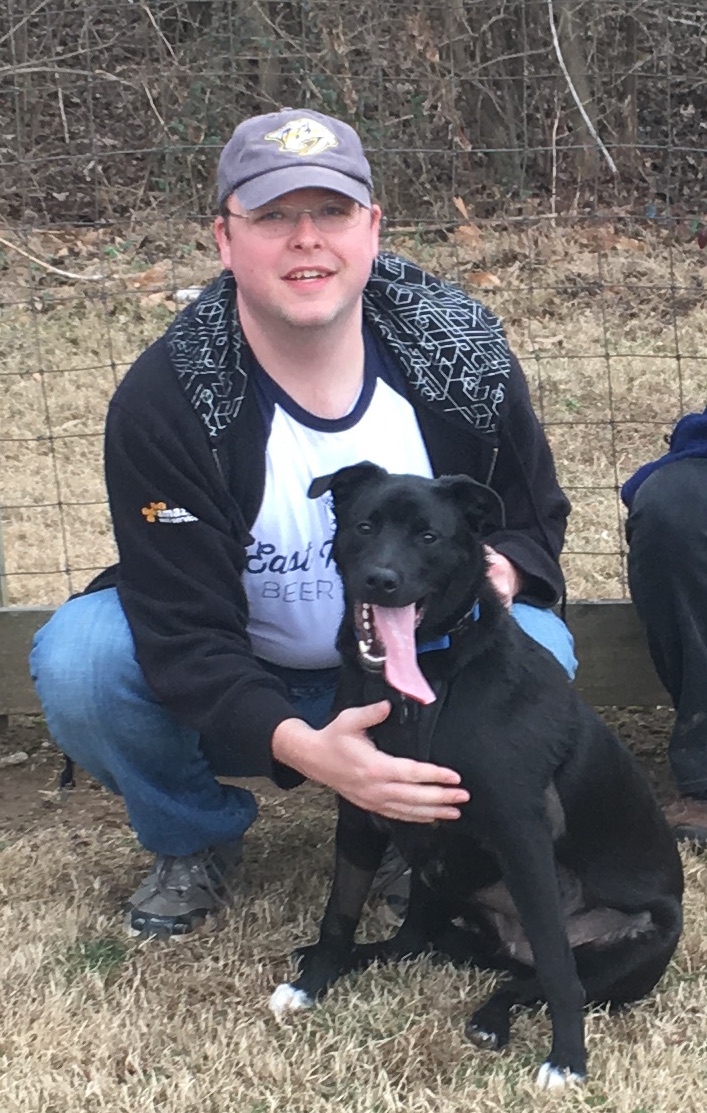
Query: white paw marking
<point x="551" y="1078"/>
<point x="483" y="1039"/>
<point x="286" y="999"/>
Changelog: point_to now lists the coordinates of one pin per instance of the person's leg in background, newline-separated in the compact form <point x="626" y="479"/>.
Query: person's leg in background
<point x="102" y="714"/>
<point x="667" y="572"/>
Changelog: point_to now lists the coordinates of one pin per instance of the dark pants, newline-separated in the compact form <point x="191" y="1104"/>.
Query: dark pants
<point x="667" y="572"/>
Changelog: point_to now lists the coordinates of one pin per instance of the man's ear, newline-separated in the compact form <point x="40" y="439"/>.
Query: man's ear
<point x="342" y="482"/>
<point x="482" y="505"/>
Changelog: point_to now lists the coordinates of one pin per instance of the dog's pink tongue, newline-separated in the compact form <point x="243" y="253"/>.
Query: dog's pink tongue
<point x="396" y="629"/>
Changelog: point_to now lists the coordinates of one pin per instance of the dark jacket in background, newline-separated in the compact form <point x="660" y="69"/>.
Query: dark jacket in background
<point x="688" y="438"/>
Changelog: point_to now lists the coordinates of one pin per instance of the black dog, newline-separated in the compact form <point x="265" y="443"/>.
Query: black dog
<point x="562" y="869"/>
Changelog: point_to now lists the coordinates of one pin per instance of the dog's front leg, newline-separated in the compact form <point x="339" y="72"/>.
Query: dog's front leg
<point x="359" y="850"/>
<point x="528" y="867"/>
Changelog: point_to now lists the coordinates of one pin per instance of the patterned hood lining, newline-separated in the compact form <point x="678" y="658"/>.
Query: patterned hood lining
<point x="452" y="350"/>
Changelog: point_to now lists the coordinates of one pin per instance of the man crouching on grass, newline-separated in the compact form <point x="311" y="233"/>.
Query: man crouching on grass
<point x="208" y="650"/>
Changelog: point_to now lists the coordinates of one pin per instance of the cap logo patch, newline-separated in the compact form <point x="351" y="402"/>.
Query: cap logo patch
<point x="303" y="137"/>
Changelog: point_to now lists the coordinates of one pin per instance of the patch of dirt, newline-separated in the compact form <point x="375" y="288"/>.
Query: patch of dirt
<point x="30" y="798"/>
<point x="646" y="731"/>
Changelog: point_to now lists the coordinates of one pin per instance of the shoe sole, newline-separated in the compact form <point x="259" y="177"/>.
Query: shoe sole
<point x="231" y="886"/>
<point x="176" y="932"/>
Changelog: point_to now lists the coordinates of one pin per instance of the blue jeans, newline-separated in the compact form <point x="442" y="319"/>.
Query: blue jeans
<point x="102" y="714"/>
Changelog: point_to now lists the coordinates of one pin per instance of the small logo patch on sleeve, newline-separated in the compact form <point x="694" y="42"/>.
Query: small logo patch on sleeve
<point x="159" y="512"/>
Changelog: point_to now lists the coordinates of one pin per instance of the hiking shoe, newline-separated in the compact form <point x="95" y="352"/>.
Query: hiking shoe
<point x="688" y="818"/>
<point x="179" y="893"/>
<point x="392" y="882"/>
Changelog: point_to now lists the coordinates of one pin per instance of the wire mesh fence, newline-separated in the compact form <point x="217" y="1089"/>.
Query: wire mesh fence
<point x="548" y="155"/>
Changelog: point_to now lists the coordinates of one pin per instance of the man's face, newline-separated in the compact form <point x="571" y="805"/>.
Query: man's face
<point x="304" y="277"/>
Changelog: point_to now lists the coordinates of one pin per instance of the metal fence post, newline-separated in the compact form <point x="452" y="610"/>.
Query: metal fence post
<point x="4" y="598"/>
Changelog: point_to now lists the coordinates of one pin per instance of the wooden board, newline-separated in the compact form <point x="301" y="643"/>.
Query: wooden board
<point x="17" y="628"/>
<point x="615" y="668"/>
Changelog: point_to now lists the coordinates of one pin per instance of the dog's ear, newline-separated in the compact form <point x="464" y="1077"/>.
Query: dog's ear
<point x="482" y="505"/>
<point x="341" y="482"/>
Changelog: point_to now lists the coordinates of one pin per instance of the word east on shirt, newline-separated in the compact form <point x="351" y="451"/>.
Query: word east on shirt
<point x="294" y="592"/>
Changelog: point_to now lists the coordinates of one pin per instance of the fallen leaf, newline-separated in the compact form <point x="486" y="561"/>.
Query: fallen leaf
<point x="483" y="278"/>
<point x="468" y="235"/>
<point x="461" y="207"/>
<point x="626" y="243"/>
<point x="90" y="239"/>
<point x="600" y="238"/>
<point x="153" y="276"/>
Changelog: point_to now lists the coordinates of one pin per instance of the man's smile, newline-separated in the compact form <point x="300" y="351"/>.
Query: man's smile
<point x="307" y="274"/>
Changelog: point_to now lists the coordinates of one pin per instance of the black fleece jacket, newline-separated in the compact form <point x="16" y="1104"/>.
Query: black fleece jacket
<point x="185" y="433"/>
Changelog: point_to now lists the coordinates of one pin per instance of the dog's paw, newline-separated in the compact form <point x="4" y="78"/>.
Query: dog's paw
<point x="550" y="1077"/>
<point x="489" y="1028"/>
<point x="484" y="1040"/>
<point x="287" y="999"/>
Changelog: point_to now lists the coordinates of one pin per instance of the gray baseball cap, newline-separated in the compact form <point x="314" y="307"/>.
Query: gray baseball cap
<point x="273" y="154"/>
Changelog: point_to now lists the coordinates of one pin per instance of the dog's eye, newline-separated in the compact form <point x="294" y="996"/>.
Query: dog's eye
<point x="429" y="537"/>
<point x="364" y="527"/>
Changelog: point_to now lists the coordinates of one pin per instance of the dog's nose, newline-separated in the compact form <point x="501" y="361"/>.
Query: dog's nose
<point x="382" y="579"/>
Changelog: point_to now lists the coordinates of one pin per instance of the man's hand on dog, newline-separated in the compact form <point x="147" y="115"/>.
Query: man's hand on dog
<point x="503" y="576"/>
<point x="342" y="756"/>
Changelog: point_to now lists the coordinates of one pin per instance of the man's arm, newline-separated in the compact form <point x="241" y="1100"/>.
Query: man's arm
<point x="182" y="551"/>
<point x="344" y="758"/>
<point x="536" y="507"/>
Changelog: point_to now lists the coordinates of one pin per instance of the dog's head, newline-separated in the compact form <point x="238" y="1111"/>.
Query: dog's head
<point x="410" y="556"/>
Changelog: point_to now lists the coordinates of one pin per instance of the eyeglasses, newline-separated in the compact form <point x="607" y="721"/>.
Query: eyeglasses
<point x="277" y="221"/>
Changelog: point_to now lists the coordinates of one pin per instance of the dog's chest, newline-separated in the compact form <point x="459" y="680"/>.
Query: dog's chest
<point x="447" y="857"/>
<point x="409" y="730"/>
<point x="455" y="730"/>
<point x="437" y="733"/>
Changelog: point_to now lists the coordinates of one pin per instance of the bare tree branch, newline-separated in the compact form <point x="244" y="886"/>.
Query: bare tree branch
<point x="590" y="126"/>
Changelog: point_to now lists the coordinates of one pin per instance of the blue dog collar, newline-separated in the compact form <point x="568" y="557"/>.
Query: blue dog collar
<point x="439" y="643"/>
<point x="445" y="641"/>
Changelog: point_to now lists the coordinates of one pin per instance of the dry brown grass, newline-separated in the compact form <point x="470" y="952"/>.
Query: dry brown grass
<point x="92" y="1020"/>
<point x="611" y="329"/>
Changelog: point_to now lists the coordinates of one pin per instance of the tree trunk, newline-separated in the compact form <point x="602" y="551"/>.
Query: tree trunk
<point x="571" y="32"/>
<point x="489" y="115"/>
<point x="628" y="124"/>
<point x="269" y="70"/>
